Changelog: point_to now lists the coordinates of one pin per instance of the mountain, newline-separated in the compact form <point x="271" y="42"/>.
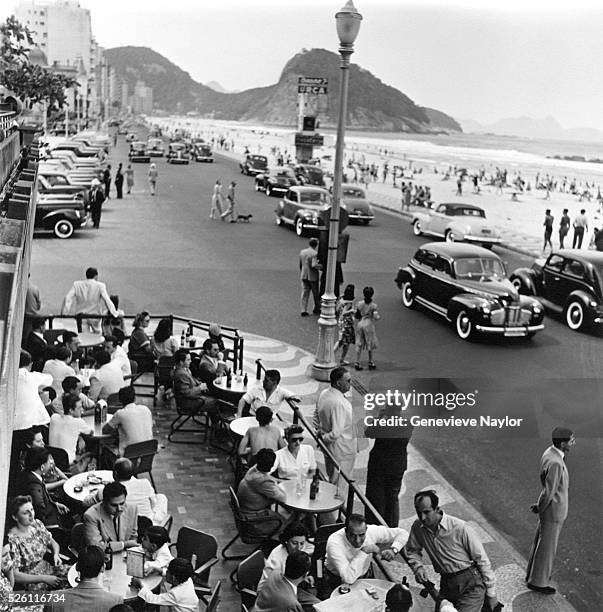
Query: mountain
<point x="372" y="104"/>
<point x="528" y="127"/>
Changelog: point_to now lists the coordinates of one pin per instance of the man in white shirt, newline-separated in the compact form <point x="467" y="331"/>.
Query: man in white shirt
<point x="89" y="297"/>
<point x="65" y="429"/>
<point x="118" y="355"/>
<point x="333" y="421"/>
<point x="59" y="368"/>
<point x="269" y="394"/>
<point x="350" y="550"/>
<point x="107" y="378"/>
<point x="72" y="385"/>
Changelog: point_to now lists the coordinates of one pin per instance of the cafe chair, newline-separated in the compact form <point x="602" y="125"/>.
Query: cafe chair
<point x="77" y="539"/>
<point x="215" y="599"/>
<point x="249" y="573"/>
<point x="61" y="458"/>
<point x="184" y="415"/>
<point x="201" y="549"/>
<point x="318" y="557"/>
<point x="141" y="455"/>
<point x="163" y="374"/>
<point x="113" y="403"/>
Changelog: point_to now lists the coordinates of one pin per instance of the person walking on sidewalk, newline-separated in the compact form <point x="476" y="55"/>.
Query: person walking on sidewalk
<point x="309" y="267"/>
<point x="551" y="509"/>
<point x="580" y="227"/>
<point x="231" y="197"/>
<point x="455" y="551"/>
<point x="153" y="175"/>
<point x="129" y="178"/>
<point x="548" y="229"/>
<point x="564" y="226"/>
<point x="366" y="334"/>
<point x="119" y="182"/>
<point x="107" y="181"/>
<point x="216" y="200"/>
<point x="97" y="197"/>
<point x="347" y="332"/>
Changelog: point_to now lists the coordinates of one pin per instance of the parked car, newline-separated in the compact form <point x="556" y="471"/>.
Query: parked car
<point x="467" y="285"/>
<point x="254" y="164"/>
<point x="355" y="200"/>
<point x="456" y="222"/>
<point x="60" y="214"/>
<point x="138" y="152"/>
<point x="568" y="282"/>
<point x="155" y="147"/>
<point x="177" y="153"/>
<point x="79" y="150"/>
<point x="308" y="174"/>
<point x="305" y="208"/>
<point x="53" y="185"/>
<point x="54" y="174"/>
<point x="275" y="181"/>
<point x="203" y="153"/>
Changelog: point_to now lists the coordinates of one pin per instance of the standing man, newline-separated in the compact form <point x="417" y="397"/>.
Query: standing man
<point x="456" y="554"/>
<point x="551" y="509"/>
<point x="333" y="421"/>
<point x="580" y="226"/>
<point x="548" y="229"/>
<point x="90" y="297"/>
<point x="97" y="198"/>
<point x="309" y="267"/>
<point x="107" y="181"/>
<point x="564" y="226"/>
<point x="119" y="182"/>
<point x="230" y="196"/>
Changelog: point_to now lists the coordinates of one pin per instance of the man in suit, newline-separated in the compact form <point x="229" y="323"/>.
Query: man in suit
<point x="279" y="591"/>
<point x="36" y="344"/>
<point x="551" y="509"/>
<point x="309" y="267"/>
<point x="112" y="522"/>
<point x="88" y="594"/>
<point x="190" y="393"/>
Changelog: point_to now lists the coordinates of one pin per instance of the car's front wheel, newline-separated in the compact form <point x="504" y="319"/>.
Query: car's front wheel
<point x="63" y="228"/>
<point x="464" y="326"/>
<point x="408" y="295"/>
<point x="416" y="228"/>
<point x="299" y="227"/>
<point x="575" y="316"/>
<point x="449" y="236"/>
<point x="257" y="186"/>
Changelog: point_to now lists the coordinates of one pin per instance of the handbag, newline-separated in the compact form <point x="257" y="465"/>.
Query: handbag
<point x="357" y="314"/>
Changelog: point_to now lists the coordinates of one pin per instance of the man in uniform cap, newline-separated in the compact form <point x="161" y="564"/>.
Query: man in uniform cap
<point x="551" y="509"/>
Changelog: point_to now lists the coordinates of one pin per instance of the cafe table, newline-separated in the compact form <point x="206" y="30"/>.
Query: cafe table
<point x="326" y="499"/>
<point x="242" y="424"/>
<point x="116" y="580"/>
<point x="100" y="478"/>
<point x="236" y="390"/>
<point x="358" y="599"/>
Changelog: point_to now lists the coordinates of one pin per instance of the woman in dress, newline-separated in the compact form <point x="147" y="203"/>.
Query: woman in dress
<point x="153" y="174"/>
<point x="345" y="312"/>
<point x="366" y="335"/>
<point x="28" y="543"/>
<point x="129" y="177"/>
<point x="139" y="347"/>
<point x="163" y="343"/>
<point x="216" y="200"/>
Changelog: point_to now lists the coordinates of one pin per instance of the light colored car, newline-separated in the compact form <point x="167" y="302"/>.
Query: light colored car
<point x="355" y="200"/>
<point x="456" y="222"/>
<point x="155" y="147"/>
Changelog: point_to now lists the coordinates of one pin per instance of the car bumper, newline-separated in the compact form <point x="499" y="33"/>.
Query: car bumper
<point x="140" y="160"/>
<point x="483" y="239"/>
<point x="156" y="153"/>
<point x="278" y="188"/>
<point x="255" y="172"/>
<point x="179" y="161"/>
<point x="204" y="159"/>
<point x="510" y="331"/>
<point x="360" y="217"/>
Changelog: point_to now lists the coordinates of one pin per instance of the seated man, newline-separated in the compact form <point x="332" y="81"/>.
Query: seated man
<point x="107" y="378"/>
<point x="118" y="355"/>
<point x="133" y="423"/>
<point x="59" y="368"/>
<point x="258" y="490"/>
<point x="141" y="494"/>
<point x="36" y="344"/>
<point x="189" y="393"/>
<point x="112" y="522"/>
<point x="53" y="478"/>
<point x="264" y="435"/>
<point x="351" y="549"/>
<point x="210" y="366"/>
<point x="72" y="341"/>
<point x="88" y="593"/>
<point x="269" y="394"/>
<point x="72" y="385"/>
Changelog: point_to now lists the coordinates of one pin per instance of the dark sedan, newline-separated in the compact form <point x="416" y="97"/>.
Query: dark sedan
<point x="60" y="214"/>
<point x="307" y="174"/>
<point x="138" y="152"/>
<point x="275" y="181"/>
<point x="467" y="285"/>
<point x="359" y="208"/>
<point x="178" y="153"/>
<point x="254" y="164"/>
<point x="569" y="282"/>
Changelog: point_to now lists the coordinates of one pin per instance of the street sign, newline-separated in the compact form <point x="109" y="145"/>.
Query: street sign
<point x="311" y="89"/>
<point x="309" y="140"/>
<point x="312" y="81"/>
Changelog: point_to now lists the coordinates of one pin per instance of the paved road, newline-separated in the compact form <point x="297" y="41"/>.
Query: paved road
<point x="163" y="254"/>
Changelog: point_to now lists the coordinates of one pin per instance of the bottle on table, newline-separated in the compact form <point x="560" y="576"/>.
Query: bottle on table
<point x="108" y="557"/>
<point x="182" y="339"/>
<point x="315" y="485"/>
<point x="98" y="414"/>
<point x="229" y="379"/>
<point x="245" y="380"/>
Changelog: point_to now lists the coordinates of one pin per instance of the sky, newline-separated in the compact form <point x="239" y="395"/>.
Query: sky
<point x="473" y="59"/>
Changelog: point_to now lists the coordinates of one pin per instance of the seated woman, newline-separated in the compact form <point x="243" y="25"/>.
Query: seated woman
<point x="162" y="342"/>
<point x="28" y="542"/>
<point x="296" y="458"/>
<point x="264" y="435"/>
<point x="139" y="347"/>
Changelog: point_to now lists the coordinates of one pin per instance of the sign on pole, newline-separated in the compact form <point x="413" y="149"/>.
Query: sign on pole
<point x="312" y="85"/>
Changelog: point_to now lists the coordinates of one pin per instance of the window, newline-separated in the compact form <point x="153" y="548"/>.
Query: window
<point x="429" y="259"/>
<point x="442" y="265"/>
<point x="555" y="262"/>
<point x="575" y="268"/>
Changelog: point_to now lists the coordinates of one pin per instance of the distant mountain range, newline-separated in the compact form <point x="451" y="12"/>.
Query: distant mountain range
<point x="372" y="104"/>
<point x="527" y="127"/>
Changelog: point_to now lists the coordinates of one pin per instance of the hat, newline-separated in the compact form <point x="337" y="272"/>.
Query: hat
<point x="95" y="183"/>
<point x="214" y="329"/>
<point x="562" y="433"/>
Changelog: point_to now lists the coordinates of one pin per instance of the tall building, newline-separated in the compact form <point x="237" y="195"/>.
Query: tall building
<point x="142" y="99"/>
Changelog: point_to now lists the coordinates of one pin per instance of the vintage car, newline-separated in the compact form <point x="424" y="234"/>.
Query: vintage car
<point x="308" y="174"/>
<point x="138" y="152"/>
<point x="275" y="181"/>
<point x="60" y="214"/>
<point x="359" y="208"/>
<point x="254" y="164"/>
<point x="155" y="147"/>
<point x="178" y="153"/>
<point x="456" y="222"/>
<point x="569" y="282"/>
<point x="306" y="209"/>
<point x="59" y="185"/>
<point x="467" y="285"/>
<point x="203" y="153"/>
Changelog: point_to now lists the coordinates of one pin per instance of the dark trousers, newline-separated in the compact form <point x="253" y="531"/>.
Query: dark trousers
<point x="382" y="490"/>
<point x="107" y="189"/>
<point x="465" y="590"/>
<point x="95" y="213"/>
<point x="308" y="287"/>
<point x="578" y="237"/>
<point x="119" y="187"/>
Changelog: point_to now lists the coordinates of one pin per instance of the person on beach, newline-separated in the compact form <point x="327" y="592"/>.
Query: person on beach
<point x="564" y="226"/>
<point x="548" y="229"/>
<point x="129" y="178"/>
<point x="216" y="200"/>
<point x="153" y="174"/>
<point x="580" y="227"/>
<point x="230" y="211"/>
<point x="459" y="185"/>
<point x="345" y="312"/>
<point x="366" y="335"/>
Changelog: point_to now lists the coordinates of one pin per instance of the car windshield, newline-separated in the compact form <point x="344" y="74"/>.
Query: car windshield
<point x="177" y="146"/>
<point x="479" y="268"/>
<point x="258" y="159"/>
<point x="466" y="212"/>
<point x="315" y="197"/>
<point x="353" y="192"/>
<point x="154" y="142"/>
<point x="285" y="172"/>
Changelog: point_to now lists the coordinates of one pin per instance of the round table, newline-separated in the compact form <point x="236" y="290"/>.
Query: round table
<point x="325" y="500"/>
<point x="237" y="388"/>
<point x="242" y="424"/>
<point x="82" y="480"/>
<point x="88" y="340"/>
<point x="116" y="580"/>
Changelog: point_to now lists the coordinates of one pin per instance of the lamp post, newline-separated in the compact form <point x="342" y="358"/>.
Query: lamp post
<point x="348" y="24"/>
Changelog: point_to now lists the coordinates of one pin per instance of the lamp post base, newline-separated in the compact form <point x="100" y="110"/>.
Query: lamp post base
<point x="328" y="333"/>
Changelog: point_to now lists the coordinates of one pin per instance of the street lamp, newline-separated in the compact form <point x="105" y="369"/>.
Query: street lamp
<point x="348" y="24"/>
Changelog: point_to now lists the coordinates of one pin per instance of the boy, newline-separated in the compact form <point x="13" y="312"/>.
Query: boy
<point x="157" y="552"/>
